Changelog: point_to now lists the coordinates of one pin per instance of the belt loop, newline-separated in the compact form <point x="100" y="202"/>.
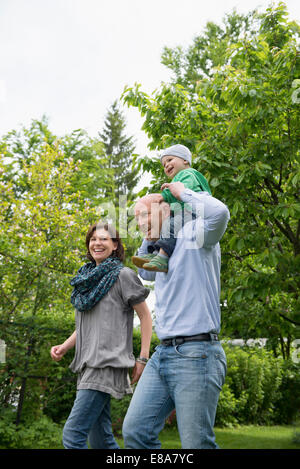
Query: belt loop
<point x="213" y="337"/>
<point x="178" y="341"/>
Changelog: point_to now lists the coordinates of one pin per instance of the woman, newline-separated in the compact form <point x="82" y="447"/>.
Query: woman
<point x="105" y="295"/>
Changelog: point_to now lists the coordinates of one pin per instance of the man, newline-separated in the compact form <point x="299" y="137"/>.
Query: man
<point x="188" y="368"/>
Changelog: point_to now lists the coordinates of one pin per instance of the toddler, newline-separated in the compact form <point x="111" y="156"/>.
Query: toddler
<point x="176" y="161"/>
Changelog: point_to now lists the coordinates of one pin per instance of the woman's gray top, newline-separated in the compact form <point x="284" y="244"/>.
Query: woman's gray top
<point x="103" y="350"/>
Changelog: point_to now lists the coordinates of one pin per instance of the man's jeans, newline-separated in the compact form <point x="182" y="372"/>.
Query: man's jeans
<point x="188" y="377"/>
<point x="89" y="418"/>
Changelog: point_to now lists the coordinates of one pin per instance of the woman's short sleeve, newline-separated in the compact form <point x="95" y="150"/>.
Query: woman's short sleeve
<point x="132" y="289"/>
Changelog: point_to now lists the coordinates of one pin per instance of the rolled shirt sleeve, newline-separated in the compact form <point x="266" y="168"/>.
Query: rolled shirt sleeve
<point x="132" y="290"/>
<point x="212" y="216"/>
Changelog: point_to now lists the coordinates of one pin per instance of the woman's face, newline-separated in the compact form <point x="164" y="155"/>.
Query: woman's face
<point x="101" y="245"/>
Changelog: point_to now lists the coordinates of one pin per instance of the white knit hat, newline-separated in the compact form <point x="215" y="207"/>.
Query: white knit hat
<point x="178" y="150"/>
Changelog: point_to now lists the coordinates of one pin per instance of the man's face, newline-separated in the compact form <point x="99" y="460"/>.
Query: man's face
<point x="148" y="216"/>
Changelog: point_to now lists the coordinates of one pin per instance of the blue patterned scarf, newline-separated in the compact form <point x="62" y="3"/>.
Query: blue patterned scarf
<point x="93" y="281"/>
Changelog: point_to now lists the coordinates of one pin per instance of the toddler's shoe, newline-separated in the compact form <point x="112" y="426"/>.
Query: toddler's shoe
<point x="139" y="261"/>
<point x="157" y="264"/>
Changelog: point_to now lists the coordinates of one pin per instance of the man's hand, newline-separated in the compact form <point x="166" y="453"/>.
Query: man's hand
<point x="156" y="198"/>
<point x="176" y="188"/>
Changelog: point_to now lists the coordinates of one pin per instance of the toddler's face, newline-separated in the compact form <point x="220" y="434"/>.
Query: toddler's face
<point x="173" y="164"/>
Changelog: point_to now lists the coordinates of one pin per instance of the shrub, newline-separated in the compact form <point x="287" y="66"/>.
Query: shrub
<point x="41" y="433"/>
<point x="118" y="411"/>
<point x="59" y="396"/>
<point x="288" y="402"/>
<point x="254" y="377"/>
<point x="137" y="342"/>
<point x="227" y="408"/>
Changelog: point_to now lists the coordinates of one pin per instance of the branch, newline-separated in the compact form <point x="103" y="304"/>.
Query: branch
<point x="23" y="295"/>
<point x="270" y="183"/>
<point x="280" y="179"/>
<point x="5" y="296"/>
<point x="288" y="319"/>
<point x="240" y="258"/>
<point x="287" y="231"/>
<point x="19" y="260"/>
<point x="274" y="195"/>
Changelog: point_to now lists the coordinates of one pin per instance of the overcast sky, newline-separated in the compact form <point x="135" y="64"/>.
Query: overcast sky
<point x="70" y="59"/>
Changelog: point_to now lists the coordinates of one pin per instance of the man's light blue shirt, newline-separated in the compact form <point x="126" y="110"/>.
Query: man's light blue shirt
<point x="188" y="296"/>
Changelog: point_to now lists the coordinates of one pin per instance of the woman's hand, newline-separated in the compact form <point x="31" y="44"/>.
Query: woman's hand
<point x="57" y="352"/>
<point x="137" y="372"/>
<point x="144" y="315"/>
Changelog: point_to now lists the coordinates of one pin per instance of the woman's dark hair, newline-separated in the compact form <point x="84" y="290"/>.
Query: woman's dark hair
<point x="113" y="233"/>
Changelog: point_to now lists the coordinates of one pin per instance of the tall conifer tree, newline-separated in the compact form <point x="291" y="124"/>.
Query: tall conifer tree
<point x="119" y="149"/>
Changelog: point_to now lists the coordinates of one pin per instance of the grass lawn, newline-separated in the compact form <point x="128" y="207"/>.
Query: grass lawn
<point x="245" y="437"/>
<point x="253" y="437"/>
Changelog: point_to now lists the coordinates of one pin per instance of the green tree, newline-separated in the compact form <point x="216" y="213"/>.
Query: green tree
<point x="119" y="151"/>
<point x="41" y="247"/>
<point x="240" y="120"/>
<point x="207" y="50"/>
<point x="20" y="147"/>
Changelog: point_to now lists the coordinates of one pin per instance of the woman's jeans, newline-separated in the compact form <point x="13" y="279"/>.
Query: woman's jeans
<point x="89" y="419"/>
<point x="188" y="377"/>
